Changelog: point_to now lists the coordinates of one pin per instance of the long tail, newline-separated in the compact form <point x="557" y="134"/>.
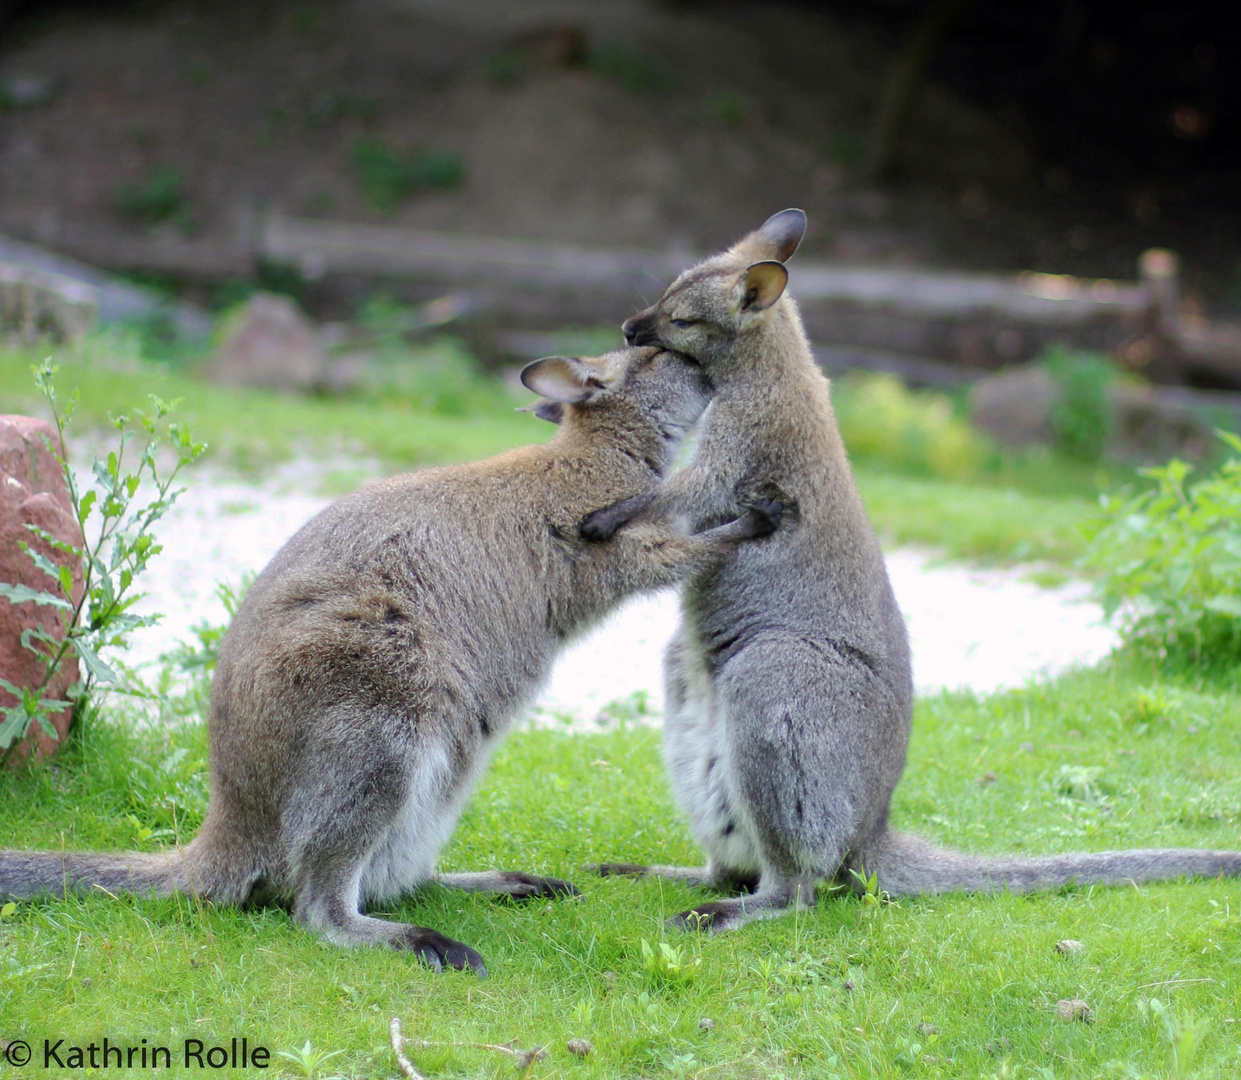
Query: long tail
<point x="907" y="865"/>
<point x="25" y="874"/>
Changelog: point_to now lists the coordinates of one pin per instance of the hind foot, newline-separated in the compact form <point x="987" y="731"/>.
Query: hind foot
<point x="721" y="915"/>
<point x="332" y="919"/>
<point x="435" y="950"/>
<point x="510" y="883"/>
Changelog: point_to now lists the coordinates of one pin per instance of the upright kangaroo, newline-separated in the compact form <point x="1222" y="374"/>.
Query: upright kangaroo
<point x="787" y="686"/>
<point x="379" y="658"/>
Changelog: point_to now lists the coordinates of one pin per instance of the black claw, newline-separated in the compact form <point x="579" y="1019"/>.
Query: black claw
<point x="457" y="956"/>
<point x="429" y="957"/>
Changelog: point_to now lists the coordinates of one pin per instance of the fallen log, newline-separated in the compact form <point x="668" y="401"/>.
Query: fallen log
<point x="978" y="321"/>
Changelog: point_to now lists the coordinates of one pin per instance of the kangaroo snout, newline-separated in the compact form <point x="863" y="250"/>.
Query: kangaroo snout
<point x="640" y="329"/>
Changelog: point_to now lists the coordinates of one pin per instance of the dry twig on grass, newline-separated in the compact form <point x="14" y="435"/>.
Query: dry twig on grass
<point x="522" y="1059"/>
<point x="398" y="1048"/>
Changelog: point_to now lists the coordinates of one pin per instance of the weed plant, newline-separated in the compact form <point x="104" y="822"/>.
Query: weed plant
<point x="1169" y="562"/>
<point x="91" y="585"/>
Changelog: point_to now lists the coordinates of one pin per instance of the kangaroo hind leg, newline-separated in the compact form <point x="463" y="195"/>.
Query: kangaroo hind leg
<point x="345" y="837"/>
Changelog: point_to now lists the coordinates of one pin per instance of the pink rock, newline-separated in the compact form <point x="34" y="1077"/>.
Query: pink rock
<point x="270" y="343"/>
<point x="33" y="491"/>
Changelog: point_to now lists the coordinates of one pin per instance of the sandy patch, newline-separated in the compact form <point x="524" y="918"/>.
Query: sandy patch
<point x="979" y="629"/>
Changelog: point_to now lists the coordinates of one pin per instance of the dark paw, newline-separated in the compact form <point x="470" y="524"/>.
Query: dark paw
<point x="598" y="526"/>
<point x="617" y="869"/>
<point x="697" y="920"/>
<point x="529" y="887"/>
<point x="763" y="516"/>
<point x="435" y="950"/>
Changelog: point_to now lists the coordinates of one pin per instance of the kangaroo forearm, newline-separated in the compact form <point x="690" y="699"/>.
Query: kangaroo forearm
<point x="650" y="555"/>
<point x="692" y="497"/>
<point x="696" y="496"/>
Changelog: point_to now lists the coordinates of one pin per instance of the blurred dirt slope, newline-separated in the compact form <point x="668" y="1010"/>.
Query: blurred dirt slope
<point x="620" y="122"/>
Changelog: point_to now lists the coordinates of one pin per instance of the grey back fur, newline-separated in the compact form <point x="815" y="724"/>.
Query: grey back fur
<point x="377" y="661"/>
<point x="788" y="685"/>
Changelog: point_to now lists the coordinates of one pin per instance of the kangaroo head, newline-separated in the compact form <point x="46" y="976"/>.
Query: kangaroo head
<point x="710" y="305"/>
<point x="644" y="399"/>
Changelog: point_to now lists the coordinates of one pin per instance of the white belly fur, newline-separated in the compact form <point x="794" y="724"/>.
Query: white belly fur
<point x="698" y="755"/>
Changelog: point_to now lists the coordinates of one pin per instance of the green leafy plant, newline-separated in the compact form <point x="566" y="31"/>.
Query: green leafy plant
<point x="308" y="1060"/>
<point x="872" y="896"/>
<point x="668" y="965"/>
<point x="1183" y="1035"/>
<point x="386" y="176"/>
<point x="439" y="376"/>
<point x="1081" y="418"/>
<point x="1080" y="782"/>
<point x="202" y="656"/>
<point x="117" y="545"/>
<point x="1170" y="561"/>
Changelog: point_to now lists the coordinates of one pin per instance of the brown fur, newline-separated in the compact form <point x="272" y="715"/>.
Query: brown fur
<point x="379" y="658"/>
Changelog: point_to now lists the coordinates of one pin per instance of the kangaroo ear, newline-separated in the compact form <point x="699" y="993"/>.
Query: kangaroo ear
<point x="562" y="379"/>
<point x="760" y="286"/>
<point x="782" y="233"/>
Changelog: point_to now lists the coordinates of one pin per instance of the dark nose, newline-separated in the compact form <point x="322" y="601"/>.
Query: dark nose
<point x="639" y="329"/>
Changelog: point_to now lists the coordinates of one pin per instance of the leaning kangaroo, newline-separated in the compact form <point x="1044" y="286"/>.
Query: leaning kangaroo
<point x="379" y="658"/>
<point x="787" y="686"/>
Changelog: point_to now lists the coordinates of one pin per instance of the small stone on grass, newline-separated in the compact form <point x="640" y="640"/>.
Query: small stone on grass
<point x="1069" y="947"/>
<point x="706" y="1024"/>
<point x="1070" y="1009"/>
<point x="580" y="1047"/>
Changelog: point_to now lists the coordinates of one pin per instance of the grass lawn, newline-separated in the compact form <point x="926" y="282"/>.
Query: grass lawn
<point x="1105" y="758"/>
<point x="1119" y="756"/>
